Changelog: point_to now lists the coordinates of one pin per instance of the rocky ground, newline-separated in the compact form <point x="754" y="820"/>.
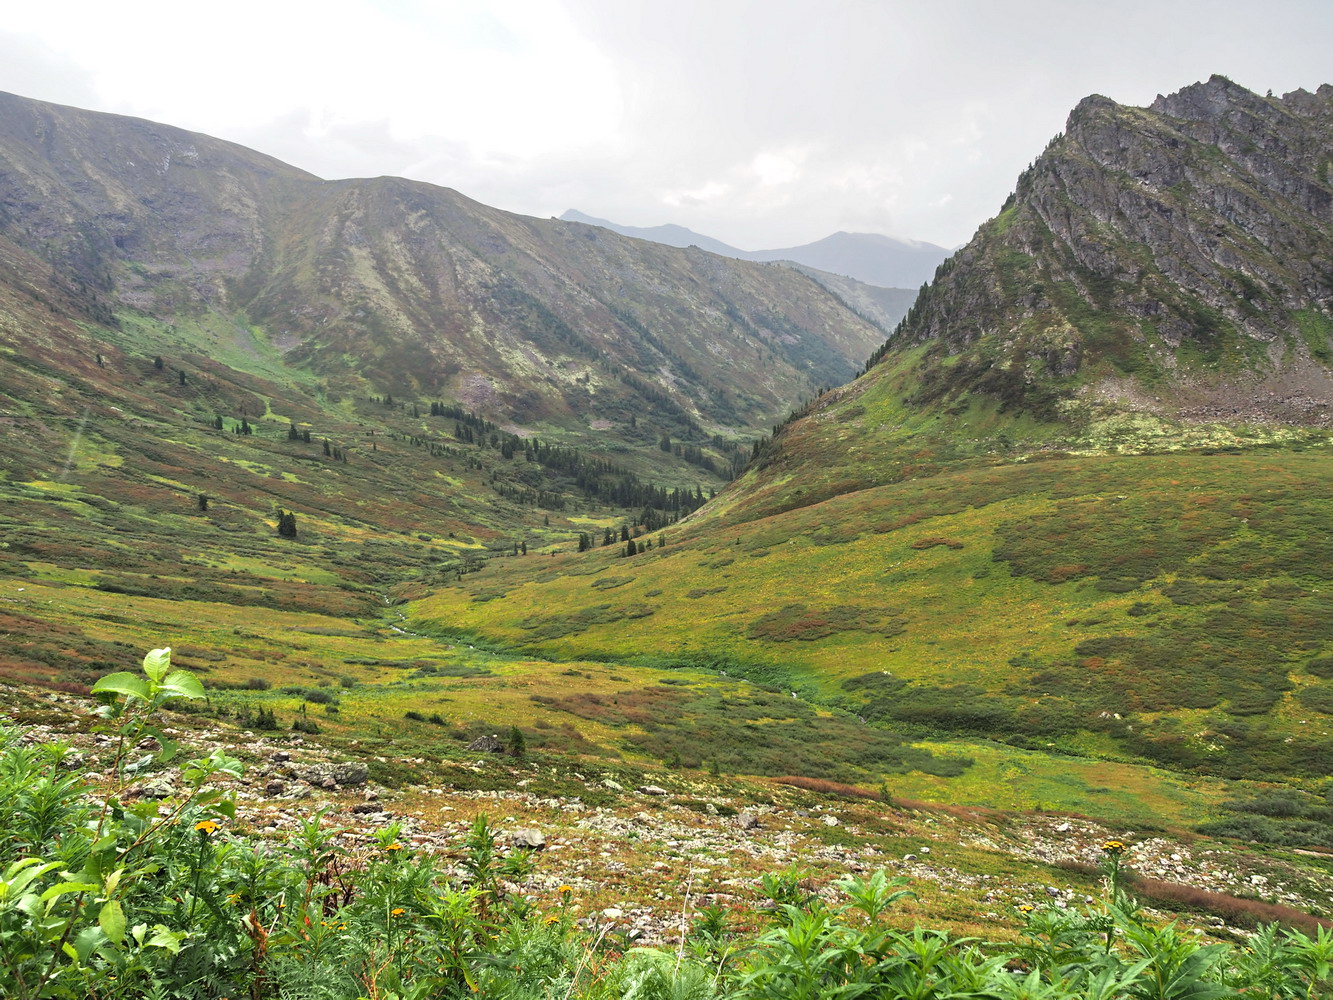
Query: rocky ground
<point x="643" y="858"/>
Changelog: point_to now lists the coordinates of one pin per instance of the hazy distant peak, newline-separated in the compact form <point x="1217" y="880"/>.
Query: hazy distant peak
<point x="872" y="258"/>
<point x="671" y="235"/>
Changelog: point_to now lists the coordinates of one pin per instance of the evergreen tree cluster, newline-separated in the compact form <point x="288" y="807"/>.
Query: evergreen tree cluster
<point x="598" y="479"/>
<point x="287" y="524"/>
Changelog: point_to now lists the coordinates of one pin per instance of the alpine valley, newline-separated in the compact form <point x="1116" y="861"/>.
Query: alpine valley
<point x="1054" y="565"/>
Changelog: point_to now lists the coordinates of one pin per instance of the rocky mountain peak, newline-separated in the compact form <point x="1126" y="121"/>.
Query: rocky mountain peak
<point x="1185" y="244"/>
<point x="1210" y="100"/>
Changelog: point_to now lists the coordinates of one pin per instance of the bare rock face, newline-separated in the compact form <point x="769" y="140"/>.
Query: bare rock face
<point x="351" y="774"/>
<point x="1187" y="245"/>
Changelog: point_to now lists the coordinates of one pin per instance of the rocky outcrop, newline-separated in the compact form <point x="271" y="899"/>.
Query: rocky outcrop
<point x="1188" y="243"/>
<point x="349" y="774"/>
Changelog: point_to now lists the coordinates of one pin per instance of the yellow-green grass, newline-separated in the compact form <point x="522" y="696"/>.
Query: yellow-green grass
<point x="1175" y="587"/>
<point x="1004" y="777"/>
<point x="548" y="701"/>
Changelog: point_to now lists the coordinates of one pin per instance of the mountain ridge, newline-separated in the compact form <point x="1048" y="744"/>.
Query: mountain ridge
<point x="870" y="258"/>
<point x="417" y="288"/>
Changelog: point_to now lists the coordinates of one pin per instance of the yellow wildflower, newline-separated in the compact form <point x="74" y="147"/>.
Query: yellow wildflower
<point x="1113" y="846"/>
<point x="1026" y="908"/>
<point x="564" y="889"/>
<point x="552" y="919"/>
<point x="397" y="911"/>
<point x="395" y="846"/>
<point x="206" y="827"/>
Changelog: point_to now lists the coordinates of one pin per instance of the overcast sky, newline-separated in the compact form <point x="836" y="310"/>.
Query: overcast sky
<point x="764" y="123"/>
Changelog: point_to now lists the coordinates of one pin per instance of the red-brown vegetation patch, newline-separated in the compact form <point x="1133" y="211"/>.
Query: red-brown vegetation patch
<point x="934" y="540"/>
<point x="1233" y="909"/>
<point x="627" y="707"/>
<point x="798" y="622"/>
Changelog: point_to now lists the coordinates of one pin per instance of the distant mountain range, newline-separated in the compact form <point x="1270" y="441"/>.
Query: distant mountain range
<point x="868" y="257"/>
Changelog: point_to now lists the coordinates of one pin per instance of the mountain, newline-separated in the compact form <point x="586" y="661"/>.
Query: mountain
<point x="870" y="258"/>
<point x="671" y="235"/>
<point x="1185" y="246"/>
<point x="885" y="307"/>
<point x="1161" y="277"/>
<point x="1081" y="500"/>
<point x="414" y="289"/>
<point x="216" y="433"/>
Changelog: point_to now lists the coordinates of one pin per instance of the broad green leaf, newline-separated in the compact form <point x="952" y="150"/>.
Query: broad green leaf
<point x="107" y="843"/>
<point x="182" y="684"/>
<point x="22" y="873"/>
<point x="67" y="887"/>
<point x="122" y="683"/>
<point x="112" y="921"/>
<point x="31" y="904"/>
<point x="87" y="941"/>
<point x="168" y="752"/>
<point x="165" y="937"/>
<point x="157" y="663"/>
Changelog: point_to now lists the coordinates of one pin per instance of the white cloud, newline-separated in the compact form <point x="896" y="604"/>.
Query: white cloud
<point x="761" y="122"/>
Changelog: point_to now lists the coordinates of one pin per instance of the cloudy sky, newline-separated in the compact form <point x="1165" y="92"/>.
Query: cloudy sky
<point x="763" y="123"/>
